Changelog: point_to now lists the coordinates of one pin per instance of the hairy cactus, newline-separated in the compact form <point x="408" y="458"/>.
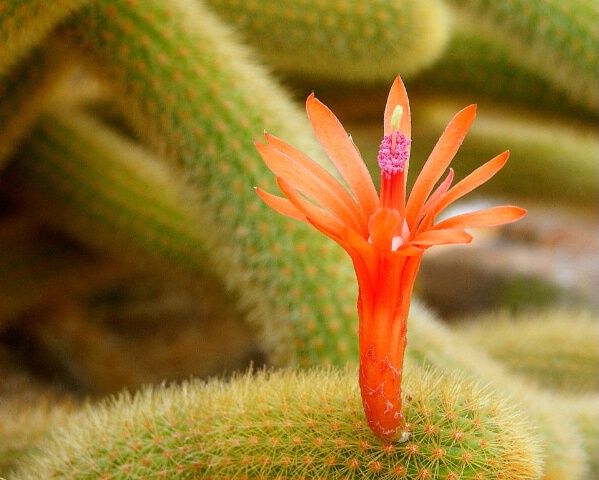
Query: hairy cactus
<point x="557" y="39"/>
<point x="208" y="137"/>
<point x="27" y="90"/>
<point x="291" y="425"/>
<point x="25" y="24"/>
<point x="433" y="343"/>
<point x="557" y="349"/>
<point x="356" y="41"/>
<point x="481" y="68"/>
<point x="24" y="425"/>
<point x="84" y="173"/>
<point x="192" y="96"/>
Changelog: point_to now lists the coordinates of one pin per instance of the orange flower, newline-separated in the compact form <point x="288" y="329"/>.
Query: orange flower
<point x="385" y="237"/>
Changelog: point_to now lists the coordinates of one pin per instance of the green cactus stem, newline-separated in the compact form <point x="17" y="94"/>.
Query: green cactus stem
<point x="292" y="425"/>
<point x="24" y="24"/>
<point x="27" y="90"/>
<point x="557" y="349"/>
<point x="355" y="41"/>
<point x="190" y="93"/>
<point x="558" y="39"/>
<point x="478" y="68"/>
<point x="433" y="343"/>
<point x="107" y="192"/>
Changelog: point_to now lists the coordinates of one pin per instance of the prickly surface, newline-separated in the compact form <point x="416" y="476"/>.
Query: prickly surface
<point x="557" y="38"/>
<point x="84" y="172"/>
<point x="292" y="425"/>
<point x="556" y="349"/>
<point x="355" y="41"/>
<point x="208" y="136"/>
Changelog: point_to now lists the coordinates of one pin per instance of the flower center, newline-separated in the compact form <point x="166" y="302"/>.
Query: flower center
<point x="393" y="153"/>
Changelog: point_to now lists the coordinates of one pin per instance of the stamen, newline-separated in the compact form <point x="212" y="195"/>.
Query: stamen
<point x="395" y="121"/>
<point x="393" y="153"/>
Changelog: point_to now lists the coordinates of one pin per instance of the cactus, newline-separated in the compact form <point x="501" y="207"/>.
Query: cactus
<point x="210" y="136"/>
<point x="478" y="68"/>
<point x="556" y="349"/>
<point x="27" y="90"/>
<point x="85" y="173"/>
<point x="432" y="343"/>
<point x="24" y="425"/>
<point x="557" y="39"/>
<point x="193" y="97"/>
<point x="291" y="425"/>
<point x="26" y="24"/>
<point x="357" y="42"/>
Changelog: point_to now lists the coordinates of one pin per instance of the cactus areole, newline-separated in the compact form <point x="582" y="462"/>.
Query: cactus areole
<point x="385" y="236"/>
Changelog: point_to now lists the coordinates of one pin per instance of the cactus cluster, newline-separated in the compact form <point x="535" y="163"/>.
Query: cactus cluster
<point x="296" y="424"/>
<point x="127" y="157"/>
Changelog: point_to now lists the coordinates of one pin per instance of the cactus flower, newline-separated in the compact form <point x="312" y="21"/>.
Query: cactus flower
<point x="385" y="235"/>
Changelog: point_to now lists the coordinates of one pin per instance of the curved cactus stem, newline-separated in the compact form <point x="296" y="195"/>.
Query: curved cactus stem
<point x="293" y="425"/>
<point x="554" y="38"/>
<point x="27" y="90"/>
<point x="216" y="104"/>
<point x="355" y="41"/>
<point x="82" y="178"/>
<point x="24" y="24"/>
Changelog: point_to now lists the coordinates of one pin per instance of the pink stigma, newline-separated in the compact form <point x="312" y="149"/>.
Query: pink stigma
<point x="392" y="158"/>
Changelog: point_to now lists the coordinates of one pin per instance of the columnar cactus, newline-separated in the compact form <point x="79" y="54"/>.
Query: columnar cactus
<point x="355" y="41"/>
<point x="557" y="348"/>
<point x="556" y="38"/>
<point x="86" y="173"/>
<point x="293" y="425"/>
<point x="208" y="137"/>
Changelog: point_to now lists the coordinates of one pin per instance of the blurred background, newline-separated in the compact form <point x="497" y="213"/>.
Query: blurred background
<point x="108" y="278"/>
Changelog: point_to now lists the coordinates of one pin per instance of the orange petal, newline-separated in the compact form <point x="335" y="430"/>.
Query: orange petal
<point x="439" y="160"/>
<point x="432" y="201"/>
<point x="315" y="215"/>
<point x="474" y="180"/>
<point x="330" y="195"/>
<point x="441" y="237"/>
<point x="489" y="217"/>
<point x="365" y="258"/>
<point x="408" y="250"/>
<point x="332" y="183"/>
<point x="281" y="205"/>
<point x="341" y="150"/>
<point x="381" y="226"/>
<point x="398" y="96"/>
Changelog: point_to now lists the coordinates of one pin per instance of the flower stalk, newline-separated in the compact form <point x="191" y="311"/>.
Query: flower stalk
<point x="385" y="235"/>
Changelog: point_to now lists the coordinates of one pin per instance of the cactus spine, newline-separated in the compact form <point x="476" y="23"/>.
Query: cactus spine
<point x="292" y="425"/>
